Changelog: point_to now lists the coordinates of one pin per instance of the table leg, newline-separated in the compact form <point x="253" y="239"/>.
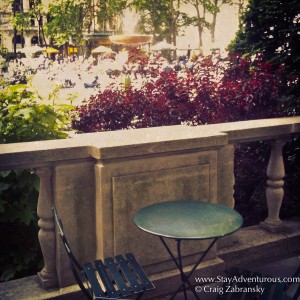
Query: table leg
<point x="182" y="275"/>
<point x="178" y="263"/>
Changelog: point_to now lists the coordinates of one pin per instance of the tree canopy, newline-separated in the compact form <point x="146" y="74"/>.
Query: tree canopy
<point x="153" y="15"/>
<point x="108" y="13"/>
<point x="68" y="20"/>
<point x="272" y="28"/>
<point x="65" y="22"/>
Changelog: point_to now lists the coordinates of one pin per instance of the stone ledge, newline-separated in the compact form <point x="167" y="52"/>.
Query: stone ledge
<point x="167" y="282"/>
<point x="252" y="245"/>
<point x="29" y="288"/>
<point x="144" y="141"/>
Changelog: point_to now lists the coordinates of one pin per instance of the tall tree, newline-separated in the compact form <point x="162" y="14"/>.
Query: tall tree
<point x="241" y="4"/>
<point x="153" y="13"/>
<point x="38" y="11"/>
<point x="161" y="18"/>
<point x="108" y="12"/>
<point x="21" y="22"/>
<point x="272" y="27"/>
<point x="22" y="19"/>
<point x="65" y="22"/>
<point x="202" y="7"/>
<point x="16" y="10"/>
<point x="175" y="19"/>
<point x="215" y="10"/>
<point x="69" y="19"/>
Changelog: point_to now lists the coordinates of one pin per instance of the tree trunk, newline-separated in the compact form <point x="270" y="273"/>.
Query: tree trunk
<point x="213" y="27"/>
<point x="15" y="40"/>
<point x="43" y="36"/>
<point x="173" y="24"/>
<point x="39" y="30"/>
<point x="214" y="23"/>
<point x="15" y="32"/>
<point x="66" y="46"/>
<point x="22" y="38"/>
<point x="153" y="19"/>
<point x="103" y="7"/>
<point x="199" y="24"/>
<point x="240" y="11"/>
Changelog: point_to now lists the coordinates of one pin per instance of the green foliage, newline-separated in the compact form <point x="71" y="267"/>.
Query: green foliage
<point x="65" y="22"/>
<point x="20" y="251"/>
<point x="202" y="7"/>
<point x="161" y="18"/>
<point x="37" y="11"/>
<point x="153" y="14"/>
<point x="21" y="21"/>
<point x="108" y="12"/>
<point x="24" y="118"/>
<point x="272" y="27"/>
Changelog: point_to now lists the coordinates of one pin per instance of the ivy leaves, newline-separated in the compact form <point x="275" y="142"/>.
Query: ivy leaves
<point x="23" y="118"/>
<point x="18" y="223"/>
<point x="16" y="205"/>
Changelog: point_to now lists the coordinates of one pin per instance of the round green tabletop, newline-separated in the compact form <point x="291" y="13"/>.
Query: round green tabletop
<point x="188" y="220"/>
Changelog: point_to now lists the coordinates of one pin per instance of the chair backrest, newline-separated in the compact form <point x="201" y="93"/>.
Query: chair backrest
<point x="86" y="275"/>
<point x="77" y="269"/>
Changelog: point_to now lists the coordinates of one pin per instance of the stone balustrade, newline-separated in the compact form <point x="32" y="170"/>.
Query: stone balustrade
<point x="99" y="180"/>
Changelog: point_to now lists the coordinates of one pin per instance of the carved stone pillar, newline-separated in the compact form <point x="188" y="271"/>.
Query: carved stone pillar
<point x="274" y="191"/>
<point x="48" y="275"/>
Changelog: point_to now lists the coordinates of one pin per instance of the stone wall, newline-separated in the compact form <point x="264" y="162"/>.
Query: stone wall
<point x="98" y="182"/>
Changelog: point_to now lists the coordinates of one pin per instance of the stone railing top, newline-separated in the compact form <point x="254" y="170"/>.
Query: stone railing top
<point x="32" y="154"/>
<point x="145" y="141"/>
<point x="264" y="129"/>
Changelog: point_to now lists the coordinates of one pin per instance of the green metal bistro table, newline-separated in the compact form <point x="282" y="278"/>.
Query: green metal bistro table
<point x="188" y="220"/>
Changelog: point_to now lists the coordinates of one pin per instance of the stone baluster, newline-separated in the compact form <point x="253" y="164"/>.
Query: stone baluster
<point x="48" y="275"/>
<point x="274" y="191"/>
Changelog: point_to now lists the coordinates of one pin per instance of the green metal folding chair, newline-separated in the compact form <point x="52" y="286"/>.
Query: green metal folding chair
<point x="113" y="278"/>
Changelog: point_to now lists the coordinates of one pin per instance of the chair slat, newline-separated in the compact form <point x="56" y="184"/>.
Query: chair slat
<point x="90" y="272"/>
<point x="136" y="287"/>
<point x="123" y="289"/>
<point x="110" y="289"/>
<point x="250" y="296"/>
<point x="140" y="272"/>
<point x="279" y="290"/>
<point x="237" y="295"/>
<point x="267" y="286"/>
<point x="293" y="291"/>
<point x="295" y="286"/>
<point x="108" y="273"/>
